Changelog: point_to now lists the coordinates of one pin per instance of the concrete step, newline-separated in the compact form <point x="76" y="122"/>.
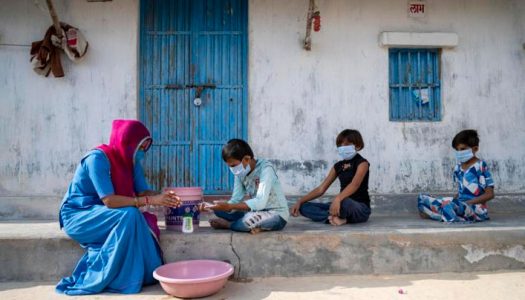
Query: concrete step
<point x="46" y="207"/>
<point x="404" y="244"/>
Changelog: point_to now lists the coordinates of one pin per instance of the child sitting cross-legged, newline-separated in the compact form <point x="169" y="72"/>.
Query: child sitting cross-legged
<point x="352" y="204"/>
<point x="266" y="209"/>
<point x="475" y="186"/>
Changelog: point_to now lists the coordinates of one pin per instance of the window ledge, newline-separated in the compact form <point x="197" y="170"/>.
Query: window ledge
<point x="418" y="39"/>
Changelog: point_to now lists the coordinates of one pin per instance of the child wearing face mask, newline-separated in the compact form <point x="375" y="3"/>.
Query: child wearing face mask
<point x="475" y="186"/>
<point x="266" y="209"/>
<point x="352" y="204"/>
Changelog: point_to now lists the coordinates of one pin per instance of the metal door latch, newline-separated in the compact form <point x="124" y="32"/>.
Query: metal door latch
<point x="198" y="92"/>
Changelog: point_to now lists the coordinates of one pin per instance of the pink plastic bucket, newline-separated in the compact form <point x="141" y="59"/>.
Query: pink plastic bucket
<point x="193" y="278"/>
<point x="191" y="199"/>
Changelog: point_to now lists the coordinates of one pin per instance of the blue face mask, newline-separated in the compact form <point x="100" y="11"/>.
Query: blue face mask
<point x="347" y="152"/>
<point x="139" y="156"/>
<point x="240" y="171"/>
<point x="464" y="155"/>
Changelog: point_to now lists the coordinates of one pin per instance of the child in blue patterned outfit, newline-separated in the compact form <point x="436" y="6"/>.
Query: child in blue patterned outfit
<point x="475" y="183"/>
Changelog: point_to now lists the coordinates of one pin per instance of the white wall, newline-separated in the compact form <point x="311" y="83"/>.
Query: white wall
<point x="47" y="123"/>
<point x="300" y="100"/>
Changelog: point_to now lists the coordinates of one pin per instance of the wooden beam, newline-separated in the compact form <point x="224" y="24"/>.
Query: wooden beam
<point x="54" y="17"/>
<point x="308" y="37"/>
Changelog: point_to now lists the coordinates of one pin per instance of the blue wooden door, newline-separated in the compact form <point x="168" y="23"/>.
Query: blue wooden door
<point x="193" y="93"/>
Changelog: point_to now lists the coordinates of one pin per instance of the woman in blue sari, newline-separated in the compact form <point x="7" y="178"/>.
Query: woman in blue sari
<point x="101" y="212"/>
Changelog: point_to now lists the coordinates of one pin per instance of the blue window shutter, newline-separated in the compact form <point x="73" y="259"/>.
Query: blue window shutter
<point x="415" y="87"/>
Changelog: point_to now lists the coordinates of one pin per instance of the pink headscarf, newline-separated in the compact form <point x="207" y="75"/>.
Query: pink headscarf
<point x="126" y="137"/>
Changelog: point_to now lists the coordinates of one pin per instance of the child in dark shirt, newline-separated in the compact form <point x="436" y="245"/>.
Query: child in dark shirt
<point x="352" y="204"/>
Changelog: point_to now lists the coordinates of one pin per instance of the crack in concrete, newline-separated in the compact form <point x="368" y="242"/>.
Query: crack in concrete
<point x="237" y="255"/>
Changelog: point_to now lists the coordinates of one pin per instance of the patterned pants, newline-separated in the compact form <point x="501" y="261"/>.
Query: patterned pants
<point x="245" y="222"/>
<point x="448" y="209"/>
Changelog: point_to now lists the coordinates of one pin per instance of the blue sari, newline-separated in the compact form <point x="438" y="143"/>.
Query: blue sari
<point x="121" y="251"/>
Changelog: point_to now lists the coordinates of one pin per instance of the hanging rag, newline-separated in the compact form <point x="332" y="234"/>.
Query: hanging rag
<point x="45" y="54"/>
<point x="72" y="42"/>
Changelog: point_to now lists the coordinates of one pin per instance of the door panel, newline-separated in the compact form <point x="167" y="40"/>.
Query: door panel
<point x="183" y="45"/>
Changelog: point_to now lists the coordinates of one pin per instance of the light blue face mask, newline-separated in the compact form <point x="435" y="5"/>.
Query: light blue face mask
<point x="464" y="155"/>
<point x="139" y="156"/>
<point x="347" y="152"/>
<point x="240" y="171"/>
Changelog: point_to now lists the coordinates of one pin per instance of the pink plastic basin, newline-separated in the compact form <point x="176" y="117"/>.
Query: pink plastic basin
<point x="187" y="193"/>
<point x="193" y="278"/>
<point x="191" y="198"/>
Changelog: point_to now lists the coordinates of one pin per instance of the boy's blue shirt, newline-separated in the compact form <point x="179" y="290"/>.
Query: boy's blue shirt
<point x="264" y="189"/>
<point x="474" y="181"/>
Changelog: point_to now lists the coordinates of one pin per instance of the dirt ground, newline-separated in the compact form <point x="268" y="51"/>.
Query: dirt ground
<point x="479" y="286"/>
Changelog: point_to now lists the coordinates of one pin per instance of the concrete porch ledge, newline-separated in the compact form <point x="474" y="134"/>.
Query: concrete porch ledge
<point x="39" y="251"/>
<point x="46" y="207"/>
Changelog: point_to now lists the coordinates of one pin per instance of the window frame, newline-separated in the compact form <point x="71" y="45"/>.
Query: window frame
<point x="414" y="109"/>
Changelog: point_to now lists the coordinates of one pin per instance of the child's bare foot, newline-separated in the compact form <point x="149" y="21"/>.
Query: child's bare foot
<point x="219" y="223"/>
<point x="423" y="216"/>
<point x="336" y="221"/>
<point x="255" y="230"/>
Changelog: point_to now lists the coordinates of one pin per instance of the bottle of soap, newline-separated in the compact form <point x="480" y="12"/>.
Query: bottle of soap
<point x="187" y="222"/>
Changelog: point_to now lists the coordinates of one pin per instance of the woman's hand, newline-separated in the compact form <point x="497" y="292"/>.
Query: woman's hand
<point x="335" y="207"/>
<point x="169" y="199"/>
<point x="294" y="210"/>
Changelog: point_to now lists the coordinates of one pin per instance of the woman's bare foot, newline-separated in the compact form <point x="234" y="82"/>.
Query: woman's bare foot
<point x="336" y="221"/>
<point x="219" y="223"/>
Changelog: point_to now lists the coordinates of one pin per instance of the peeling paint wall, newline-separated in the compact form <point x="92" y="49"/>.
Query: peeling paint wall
<point x="46" y="124"/>
<point x="298" y="100"/>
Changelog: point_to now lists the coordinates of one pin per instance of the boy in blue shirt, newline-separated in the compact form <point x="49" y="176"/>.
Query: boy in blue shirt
<point x="267" y="208"/>
<point x="475" y="186"/>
